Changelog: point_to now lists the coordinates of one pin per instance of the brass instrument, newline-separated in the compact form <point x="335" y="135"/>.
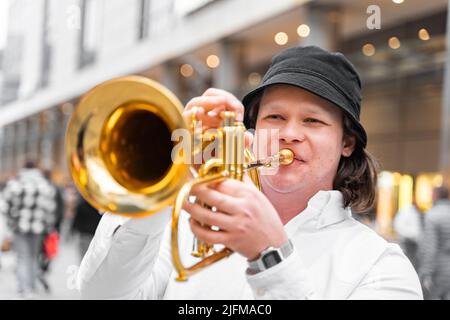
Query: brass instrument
<point x="119" y="149"/>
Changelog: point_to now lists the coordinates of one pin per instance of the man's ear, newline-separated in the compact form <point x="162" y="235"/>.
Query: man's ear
<point x="349" y="144"/>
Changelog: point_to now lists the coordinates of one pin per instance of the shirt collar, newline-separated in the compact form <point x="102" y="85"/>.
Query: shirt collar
<point x="324" y="209"/>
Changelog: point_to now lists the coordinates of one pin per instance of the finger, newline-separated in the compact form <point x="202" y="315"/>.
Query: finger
<point x="241" y="190"/>
<point x="207" y="217"/>
<point x="206" y="121"/>
<point x="208" y="103"/>
<point x="207" y="115"/>
<point x="217" y="92"/>
<point x="233" y="103"/>
<point x="206" y="234"/>
<point x="232" y="188"/>
<point x="248" y="139"/>
<point x="223" y="202"/>
<point x="188" y="113"/>
<point x="249" y="182"/>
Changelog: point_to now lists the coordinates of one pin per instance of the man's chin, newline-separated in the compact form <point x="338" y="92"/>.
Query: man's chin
<point x="282" y="184"/>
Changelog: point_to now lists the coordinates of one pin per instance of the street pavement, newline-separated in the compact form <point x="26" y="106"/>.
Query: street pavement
<point x="61" y="276"/>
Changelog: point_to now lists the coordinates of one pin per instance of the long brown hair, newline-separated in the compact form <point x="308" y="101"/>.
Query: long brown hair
<point x="356" y="176"/>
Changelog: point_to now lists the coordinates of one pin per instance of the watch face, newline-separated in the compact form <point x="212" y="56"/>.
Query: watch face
<point x="271" y="259"/>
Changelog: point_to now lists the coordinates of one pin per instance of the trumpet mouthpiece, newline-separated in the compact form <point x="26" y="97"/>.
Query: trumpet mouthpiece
<point x="286" y="157"/>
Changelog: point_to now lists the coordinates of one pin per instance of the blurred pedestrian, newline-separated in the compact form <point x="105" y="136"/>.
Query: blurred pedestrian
<point x="4" y="235"/>
<point x="85" y="223"/>
<point x="59" y="200"/>
<point x="49" y="246"/>
<point x="435" y="247"/>
<point x="30" y="214"/>
<point x="408" y="227"/>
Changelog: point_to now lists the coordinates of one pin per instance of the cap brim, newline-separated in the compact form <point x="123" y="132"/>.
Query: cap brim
<point x="314" y="85"/>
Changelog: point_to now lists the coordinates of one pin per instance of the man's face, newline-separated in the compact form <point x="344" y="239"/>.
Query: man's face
<point x="312" y="128"/>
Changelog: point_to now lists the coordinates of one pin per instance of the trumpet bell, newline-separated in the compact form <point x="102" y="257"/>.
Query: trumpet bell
<point x="119" y="147"/>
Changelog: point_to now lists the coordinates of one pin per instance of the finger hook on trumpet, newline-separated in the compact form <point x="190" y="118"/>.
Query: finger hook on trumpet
<point x="283" y="157"/>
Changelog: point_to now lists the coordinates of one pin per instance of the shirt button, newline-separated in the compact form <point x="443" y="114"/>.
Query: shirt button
<point x="260" y="292"/>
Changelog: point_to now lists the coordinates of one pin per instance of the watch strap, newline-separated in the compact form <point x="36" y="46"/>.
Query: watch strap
<point x="281" y="254"/>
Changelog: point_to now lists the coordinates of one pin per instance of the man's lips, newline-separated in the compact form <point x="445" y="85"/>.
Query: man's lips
<point x="298" y="157"/>
<point x="294" y="165"/>
<point x="298" y="161"/>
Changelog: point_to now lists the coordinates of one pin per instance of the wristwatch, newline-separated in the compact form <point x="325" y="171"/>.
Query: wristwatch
<point x="270" y="257"/>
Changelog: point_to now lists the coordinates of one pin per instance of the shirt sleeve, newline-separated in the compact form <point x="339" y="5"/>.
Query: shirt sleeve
<point x="391" y="278"/>
<point x="286" y="280"/>
<point x="125" y="259"/>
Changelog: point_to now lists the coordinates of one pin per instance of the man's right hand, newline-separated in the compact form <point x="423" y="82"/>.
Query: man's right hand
<point x="209" y="106"/>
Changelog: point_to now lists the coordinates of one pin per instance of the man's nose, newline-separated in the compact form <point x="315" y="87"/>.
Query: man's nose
<point x="291" y="133"/>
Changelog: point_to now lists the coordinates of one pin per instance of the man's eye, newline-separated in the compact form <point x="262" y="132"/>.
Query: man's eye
<point x="312" y="120"/>
<point x="274" y="116"/>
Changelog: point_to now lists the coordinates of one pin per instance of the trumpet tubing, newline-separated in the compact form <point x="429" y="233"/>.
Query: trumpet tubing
<point x="118" y="147"/>
<point x="119" y="151"/>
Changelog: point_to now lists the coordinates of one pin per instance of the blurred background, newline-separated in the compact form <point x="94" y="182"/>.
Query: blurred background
<point x="53" y="51"/>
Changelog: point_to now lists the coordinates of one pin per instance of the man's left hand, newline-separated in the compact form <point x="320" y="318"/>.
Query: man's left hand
<point x="247" y="221"/>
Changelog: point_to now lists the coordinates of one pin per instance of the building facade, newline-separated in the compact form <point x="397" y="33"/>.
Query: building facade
<point x="58" y="49"/>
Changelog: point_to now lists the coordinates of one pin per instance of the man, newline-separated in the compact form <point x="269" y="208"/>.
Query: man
<point x="30" y="214"/>
<point x="295" y="239"/>
<point x="52" y="233"/>
<point x="435" y="247"/>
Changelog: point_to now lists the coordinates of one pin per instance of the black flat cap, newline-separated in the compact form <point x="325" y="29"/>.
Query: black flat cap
<point x="328" y="75"/>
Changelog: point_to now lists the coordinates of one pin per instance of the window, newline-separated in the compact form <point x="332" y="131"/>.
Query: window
<point x="144" y="21"/>
<point x="46" y="46"/>
<point x="89" y="32"/>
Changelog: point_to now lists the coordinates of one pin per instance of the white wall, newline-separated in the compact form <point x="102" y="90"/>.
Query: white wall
<point x="64" y="33"/>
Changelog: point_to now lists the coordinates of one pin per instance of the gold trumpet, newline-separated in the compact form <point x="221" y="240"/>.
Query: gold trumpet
<point x="120" y="155"/>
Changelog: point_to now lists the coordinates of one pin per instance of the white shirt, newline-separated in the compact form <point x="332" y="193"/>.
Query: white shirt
<point x="335" y="257"/>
